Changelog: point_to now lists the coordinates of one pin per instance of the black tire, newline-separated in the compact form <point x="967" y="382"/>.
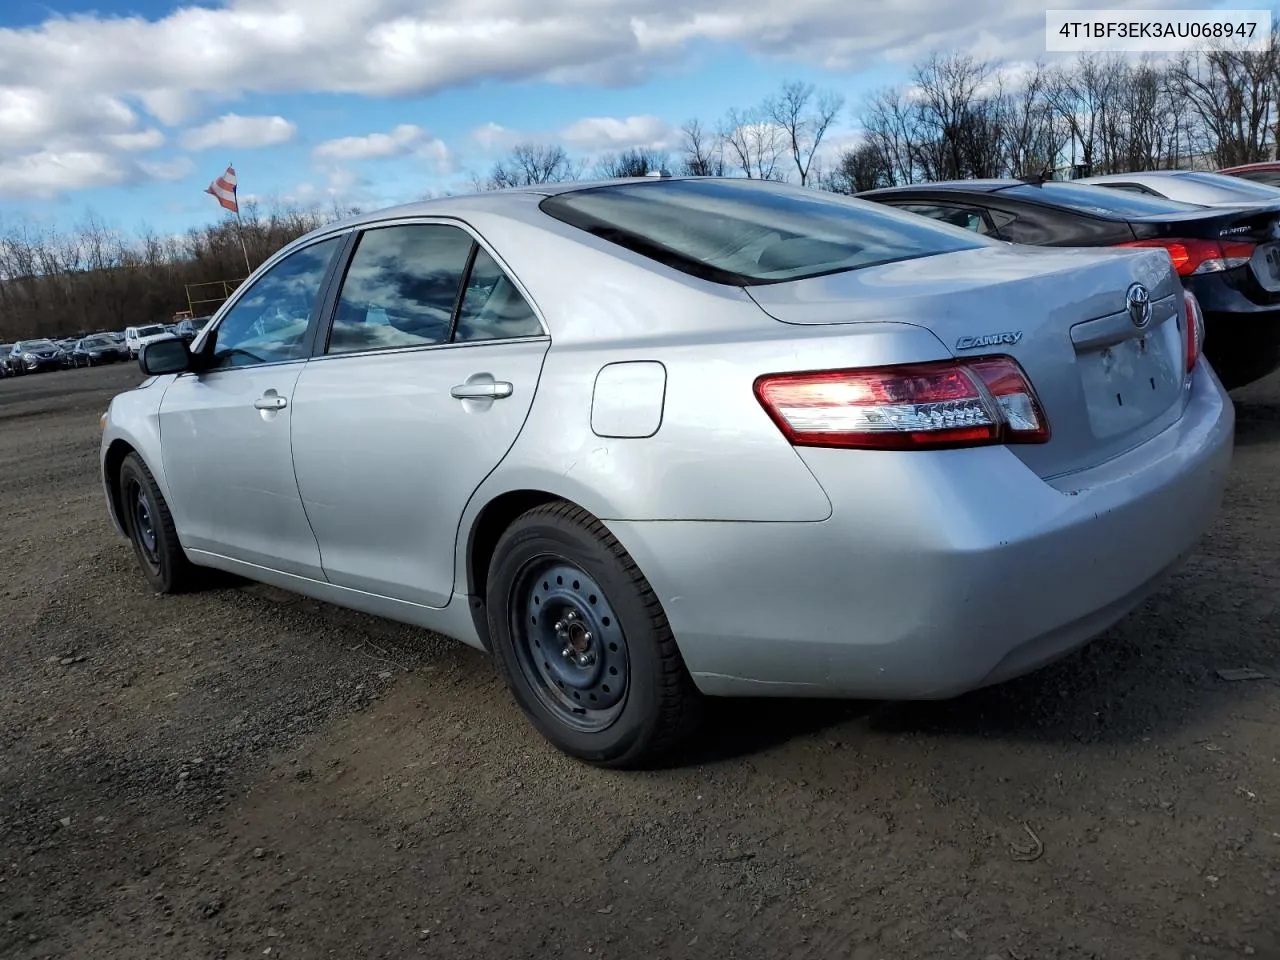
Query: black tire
<point x="655" y="710"/>
<point x="149" y="523"/>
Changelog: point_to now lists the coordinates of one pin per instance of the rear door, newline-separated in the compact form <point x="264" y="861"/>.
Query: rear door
<point x="416" y="394"/>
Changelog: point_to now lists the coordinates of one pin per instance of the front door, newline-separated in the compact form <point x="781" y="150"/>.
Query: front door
<point x="224" y="431"/>
<point x="422" y="388"/>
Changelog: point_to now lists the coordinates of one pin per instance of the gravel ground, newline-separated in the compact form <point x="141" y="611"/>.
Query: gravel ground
<point x="244" y="773"/>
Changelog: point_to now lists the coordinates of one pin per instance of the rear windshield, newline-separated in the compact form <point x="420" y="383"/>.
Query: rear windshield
<point x="150" y="331"/>
<point x="1098" y="201"/>
<point x="745" y="232"/>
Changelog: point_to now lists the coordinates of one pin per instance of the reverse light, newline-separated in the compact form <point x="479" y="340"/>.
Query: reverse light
<point x="951" y="403"/>
<point x="1195" y="329"/>
<point x="1201" y="256"/>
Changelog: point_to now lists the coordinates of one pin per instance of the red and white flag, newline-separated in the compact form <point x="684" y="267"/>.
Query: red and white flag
<point x="224" y="190"/>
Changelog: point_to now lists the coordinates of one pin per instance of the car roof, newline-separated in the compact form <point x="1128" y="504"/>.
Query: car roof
<point x="1263" y="165"/>
<point x="1138" y="175"/>
<point x="487" y="201"/>
<point x="972" y="186"/>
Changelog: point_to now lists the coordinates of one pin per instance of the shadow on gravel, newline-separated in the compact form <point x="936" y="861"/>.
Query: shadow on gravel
<point x="1257" y="423"/>
<point x="1138" y="681"/>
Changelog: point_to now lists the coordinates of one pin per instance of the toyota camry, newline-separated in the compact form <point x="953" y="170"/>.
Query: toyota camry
<point x="648" y="441"/>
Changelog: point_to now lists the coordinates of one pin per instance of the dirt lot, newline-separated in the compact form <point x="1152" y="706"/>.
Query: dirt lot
<point x="243" y="773"/>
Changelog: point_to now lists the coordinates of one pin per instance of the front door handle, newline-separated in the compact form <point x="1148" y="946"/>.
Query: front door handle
<point x="271" y="401"/>
<point x="483" y="390"/>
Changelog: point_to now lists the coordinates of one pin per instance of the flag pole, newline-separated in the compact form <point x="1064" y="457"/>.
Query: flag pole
<point x="240" y="230"/>
<point x="243" y="249"/>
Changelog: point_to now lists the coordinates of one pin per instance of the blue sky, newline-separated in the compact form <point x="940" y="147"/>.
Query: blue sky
<point x="128" y="108"/>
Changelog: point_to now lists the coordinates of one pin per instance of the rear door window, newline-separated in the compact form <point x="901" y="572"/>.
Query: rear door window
<point x="401" y="289"/>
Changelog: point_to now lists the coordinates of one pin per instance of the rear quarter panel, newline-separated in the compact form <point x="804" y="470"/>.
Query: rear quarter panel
<point x="716" y="454"/>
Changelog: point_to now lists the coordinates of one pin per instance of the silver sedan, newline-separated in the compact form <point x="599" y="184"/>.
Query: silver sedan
<point x="1190" y="186"/>
<point x="651" y="440"/>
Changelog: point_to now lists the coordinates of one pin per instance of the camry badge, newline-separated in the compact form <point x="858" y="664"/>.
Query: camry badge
<point x="1138" y="300"/>
<point x="989" y="340"/>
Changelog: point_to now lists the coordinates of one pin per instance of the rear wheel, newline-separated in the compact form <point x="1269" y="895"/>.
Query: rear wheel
<point x="584" y="643"/>
<point x="148" y="522"/>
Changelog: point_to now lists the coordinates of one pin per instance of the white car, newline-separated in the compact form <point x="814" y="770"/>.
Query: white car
<point x="1190" y="186"/>
<point x="136" y="338"/>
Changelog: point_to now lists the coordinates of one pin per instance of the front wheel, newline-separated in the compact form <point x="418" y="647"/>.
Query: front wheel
<point x="583" y="642"/>
<point x="150" y="526"/>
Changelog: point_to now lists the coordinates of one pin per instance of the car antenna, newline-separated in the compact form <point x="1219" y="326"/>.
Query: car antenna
<point x="1038" y="179"/>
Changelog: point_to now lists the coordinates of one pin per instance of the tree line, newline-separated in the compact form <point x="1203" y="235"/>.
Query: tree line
<point x="959" y="117"/>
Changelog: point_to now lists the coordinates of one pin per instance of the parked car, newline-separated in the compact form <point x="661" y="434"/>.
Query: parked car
<point x="653" y="439"/>
<point x="1190" y="186"/>
<point x="34" y="356"/>
<point x="136" y="337"/>
<point x="98" y="349"/>
<point x="186" y="329"/>
<point x="1229" y="257"/>
<point x="5" y="350"/>
<point x="1267" y="172"/>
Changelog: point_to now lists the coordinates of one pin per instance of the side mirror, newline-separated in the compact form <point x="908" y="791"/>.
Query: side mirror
<point x="159" y="357"/>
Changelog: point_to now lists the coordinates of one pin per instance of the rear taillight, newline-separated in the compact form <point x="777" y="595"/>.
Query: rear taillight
<point x="952" y="403"/>
<point x="1201" y="256"/>
<point x="1195" y="329"/>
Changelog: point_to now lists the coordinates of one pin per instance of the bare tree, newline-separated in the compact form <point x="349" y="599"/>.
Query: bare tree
<point x="703" y="151"/>
<point x="1234" y="93"/>
<point x="635" y="162"/>
<point x="863" y="167"/>
<point x="753" y="143"/>
<point x="1033" y="135"/>
<point x="531" y="163"/>
<point x="805" y="116"/>
<point x="958" y="118"/>
<point x="890" y="122"/>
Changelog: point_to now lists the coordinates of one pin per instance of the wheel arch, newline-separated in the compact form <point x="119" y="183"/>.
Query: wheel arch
<point x="112" y="460"/>
<point x="482" y="539"/>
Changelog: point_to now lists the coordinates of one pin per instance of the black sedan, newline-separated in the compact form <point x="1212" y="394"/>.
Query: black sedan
<point x="32" y="356"/>
<point x="92" y="351"/>
<point x="1228" y="257"/>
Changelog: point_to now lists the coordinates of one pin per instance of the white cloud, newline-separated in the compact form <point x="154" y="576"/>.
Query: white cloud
<point x="32" y="117"/>
<point x="393" y="47"/>
<point x="45" y="175"/>
<point x="176" y="169"/>
<point x="404" y="141"/>
<point x="612" y="133"/>
<point x="233" y="130"/>
<point x="69" y="83"/>
<point x="137" y="141"/>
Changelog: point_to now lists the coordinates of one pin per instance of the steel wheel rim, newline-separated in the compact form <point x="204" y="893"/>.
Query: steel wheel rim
<point x="569" y="645"/>
<point x="144" y="524"/>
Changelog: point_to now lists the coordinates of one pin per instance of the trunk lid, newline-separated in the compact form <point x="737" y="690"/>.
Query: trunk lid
<point x="1106" y="384"/>
<point x="1256" y="224"/>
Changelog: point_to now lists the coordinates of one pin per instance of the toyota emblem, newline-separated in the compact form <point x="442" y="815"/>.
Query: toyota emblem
<point x="1138" y="300"/>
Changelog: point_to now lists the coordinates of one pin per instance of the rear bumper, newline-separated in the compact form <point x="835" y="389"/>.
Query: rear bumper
<point x="938" y="572"/>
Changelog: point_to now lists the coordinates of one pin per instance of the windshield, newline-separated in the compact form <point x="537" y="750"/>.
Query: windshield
<point x="745" y="232"/>
<point x="95" y="342"/>
<point x="1230" y="188"/>
<point x="1099" y="201"/>
<point x="36" y="345"/>
<point x="151" y="331"/>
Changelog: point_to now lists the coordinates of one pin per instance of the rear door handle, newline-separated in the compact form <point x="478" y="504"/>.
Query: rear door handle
<point x="271" y="402"/>
<point x="484" y="390"/>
